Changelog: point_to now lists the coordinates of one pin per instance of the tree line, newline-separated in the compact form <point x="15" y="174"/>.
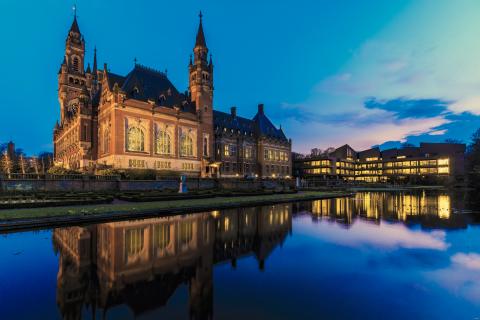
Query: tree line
<point x="14" y="160"/>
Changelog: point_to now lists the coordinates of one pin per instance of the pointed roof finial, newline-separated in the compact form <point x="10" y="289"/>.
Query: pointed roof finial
<point x="135" y="61"/>
<point x="95" y="61"/>
<point x="200" y="42"/>
<point x="74" y="27"/>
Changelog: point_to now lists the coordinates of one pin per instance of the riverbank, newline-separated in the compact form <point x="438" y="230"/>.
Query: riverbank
<point x="36" y="218"/>
<point x="393" y="188"/>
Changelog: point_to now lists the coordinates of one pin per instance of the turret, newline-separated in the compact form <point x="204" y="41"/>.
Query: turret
<point x="72" y="76"/>
<point x="201" y="72"/>
<point x="201" y="93"/>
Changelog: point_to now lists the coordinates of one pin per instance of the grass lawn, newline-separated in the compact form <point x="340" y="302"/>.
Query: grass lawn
<point x="162" y="206"/>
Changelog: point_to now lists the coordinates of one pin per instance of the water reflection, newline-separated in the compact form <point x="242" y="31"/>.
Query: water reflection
<point x="141" y="263"/>
<point x="430" y="209"/>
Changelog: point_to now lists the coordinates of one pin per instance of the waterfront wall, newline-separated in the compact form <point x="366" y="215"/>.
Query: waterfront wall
<point x="100" y="184"/>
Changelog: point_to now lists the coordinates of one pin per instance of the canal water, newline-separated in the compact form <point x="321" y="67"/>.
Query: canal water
<point x="373" y="256"/>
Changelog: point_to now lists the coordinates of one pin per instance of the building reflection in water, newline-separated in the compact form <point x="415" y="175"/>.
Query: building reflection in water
<point x="141" y="263"/>
<point x="431" y="209"/>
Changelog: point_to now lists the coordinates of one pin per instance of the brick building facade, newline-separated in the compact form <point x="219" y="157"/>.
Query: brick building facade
<point x="141" y="121"/>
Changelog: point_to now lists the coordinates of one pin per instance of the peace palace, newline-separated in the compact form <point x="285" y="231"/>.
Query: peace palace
<point x="141" y="121"/>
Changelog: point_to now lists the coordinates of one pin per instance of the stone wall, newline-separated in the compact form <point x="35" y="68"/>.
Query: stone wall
<point x="91" y="185"/>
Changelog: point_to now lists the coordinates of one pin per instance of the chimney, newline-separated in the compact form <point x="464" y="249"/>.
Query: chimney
<point x="11" y="150"/>
<point x="260" y="108"/>
<point x="233" y="111"/>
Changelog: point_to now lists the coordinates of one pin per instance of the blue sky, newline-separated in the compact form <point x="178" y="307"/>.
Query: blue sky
<point x="330" y="72"/>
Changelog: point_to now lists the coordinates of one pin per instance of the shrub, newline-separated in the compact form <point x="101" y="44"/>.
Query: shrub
<point x="139" y="174"/>
<point x="61" y="171"/>
<point x="108" y="172"/>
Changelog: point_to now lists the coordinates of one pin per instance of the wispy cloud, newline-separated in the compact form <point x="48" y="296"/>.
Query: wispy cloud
<point x="409" y="108"/>
<point x="399" y="87"/>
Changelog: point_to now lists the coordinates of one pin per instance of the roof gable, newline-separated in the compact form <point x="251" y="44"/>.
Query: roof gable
<point x="226" y="120"/>
<point x="266" y="128"/>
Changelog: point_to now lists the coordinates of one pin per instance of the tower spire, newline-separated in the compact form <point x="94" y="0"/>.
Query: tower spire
<point x="74" y="27"/>
<point x="95" y="61"/>
<point x="200" y="42"/>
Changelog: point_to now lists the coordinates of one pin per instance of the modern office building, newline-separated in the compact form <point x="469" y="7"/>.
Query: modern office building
<point x="429" y="160"/>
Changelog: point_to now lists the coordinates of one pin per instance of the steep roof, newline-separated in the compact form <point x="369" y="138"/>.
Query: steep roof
<point x="226" y="120"/>
<point x="144" y="84"/>
<point x="259" y="125"/>
<point x="200" y="41"/>
<point x="115" y="78"/>
<point x="266" y="128"/>
<point x="74" y="27"/>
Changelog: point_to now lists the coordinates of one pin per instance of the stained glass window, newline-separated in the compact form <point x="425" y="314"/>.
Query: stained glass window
<point x="163" y="143"/>
<point x="135" y="139"/>
<point x="186" y="145"/>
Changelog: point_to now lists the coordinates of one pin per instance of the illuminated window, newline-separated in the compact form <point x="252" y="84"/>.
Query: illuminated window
<point x="135" y="139"/>
<point x="186" y="145"/>
<point x="248" y="152"/>
<point x="163" y="144"/>
<point x="226" y="150"/>
<point x="443" y="162"/>
<point x="443" y="170"/>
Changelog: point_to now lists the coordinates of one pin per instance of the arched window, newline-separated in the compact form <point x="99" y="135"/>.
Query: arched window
<point x="106" y="140"/>
<point x="75" y="64"/>
<point x="186" y="145"/>
<point x="135" y="139"/>
<point x="70" y="80"/>
<point x="163" y="144"/>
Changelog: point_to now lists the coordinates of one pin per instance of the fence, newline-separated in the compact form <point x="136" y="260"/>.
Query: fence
<point x="42" y="183"/>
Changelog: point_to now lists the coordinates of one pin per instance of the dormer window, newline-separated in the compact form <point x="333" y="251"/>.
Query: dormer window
<point x="135" y="92"/>
<point x="162" y="98"/>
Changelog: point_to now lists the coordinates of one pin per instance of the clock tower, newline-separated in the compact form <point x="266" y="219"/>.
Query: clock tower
<point x="74" y="134"/>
